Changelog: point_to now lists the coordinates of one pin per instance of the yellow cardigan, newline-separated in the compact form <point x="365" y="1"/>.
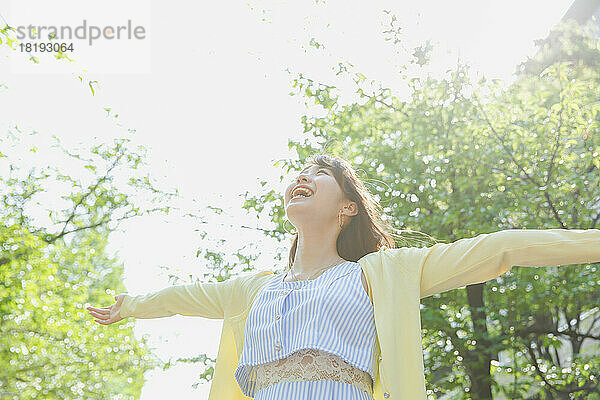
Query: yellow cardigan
<point x="397" y="279"/>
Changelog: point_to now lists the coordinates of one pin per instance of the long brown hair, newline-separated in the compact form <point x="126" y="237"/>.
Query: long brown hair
<point x="366" y="232"/>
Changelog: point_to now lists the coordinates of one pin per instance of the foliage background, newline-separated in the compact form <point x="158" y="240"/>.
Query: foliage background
<point x="451" y="157"/>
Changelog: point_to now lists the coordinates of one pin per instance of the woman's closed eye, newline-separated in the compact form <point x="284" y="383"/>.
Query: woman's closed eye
<point x="321" y="170"/>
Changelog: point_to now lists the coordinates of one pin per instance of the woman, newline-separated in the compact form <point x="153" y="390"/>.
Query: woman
<point x="342" y="321"/>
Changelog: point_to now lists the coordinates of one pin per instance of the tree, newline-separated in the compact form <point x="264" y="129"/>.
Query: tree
<point x="49" y="346"/>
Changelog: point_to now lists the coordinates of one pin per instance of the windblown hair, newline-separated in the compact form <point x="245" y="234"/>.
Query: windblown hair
<point x="366" y="232"/>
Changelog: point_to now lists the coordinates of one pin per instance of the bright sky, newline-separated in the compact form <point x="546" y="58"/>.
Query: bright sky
<point x="207" y="93"/>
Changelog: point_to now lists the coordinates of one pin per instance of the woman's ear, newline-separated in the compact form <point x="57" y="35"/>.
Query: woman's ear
<point x="351" y="209"/>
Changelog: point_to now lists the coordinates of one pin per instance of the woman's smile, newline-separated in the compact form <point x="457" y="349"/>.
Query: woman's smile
<point x="299" y="197"/>
<point x="318" y="179"/>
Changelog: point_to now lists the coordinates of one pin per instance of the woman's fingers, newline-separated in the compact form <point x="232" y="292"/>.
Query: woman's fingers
<point x="107" y="315"/>
<point x="103" y="310"/>
<point x="98" y="315"/>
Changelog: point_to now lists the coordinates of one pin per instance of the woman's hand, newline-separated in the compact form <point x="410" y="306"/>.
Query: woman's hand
<point x="110" y="314"/>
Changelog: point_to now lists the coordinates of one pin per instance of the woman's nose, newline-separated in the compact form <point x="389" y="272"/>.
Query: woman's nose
<point x="302" y="178"/>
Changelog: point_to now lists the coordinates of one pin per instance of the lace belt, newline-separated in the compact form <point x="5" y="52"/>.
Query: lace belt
<point x="311" y="365"/>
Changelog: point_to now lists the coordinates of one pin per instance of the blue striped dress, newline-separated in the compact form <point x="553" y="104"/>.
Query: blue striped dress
<point x="331" y="312"/>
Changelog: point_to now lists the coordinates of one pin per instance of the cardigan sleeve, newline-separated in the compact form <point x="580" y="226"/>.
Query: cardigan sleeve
<point x="489" y="255"/>
<point x="202" y="299"/>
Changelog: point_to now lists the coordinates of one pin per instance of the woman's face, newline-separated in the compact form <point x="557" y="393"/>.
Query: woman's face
<point x="325" y="197"/>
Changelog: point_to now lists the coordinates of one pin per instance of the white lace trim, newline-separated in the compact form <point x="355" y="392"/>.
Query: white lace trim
<point x="311" y="365"/>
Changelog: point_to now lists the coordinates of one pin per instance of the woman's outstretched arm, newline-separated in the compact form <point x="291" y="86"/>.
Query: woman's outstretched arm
<point x="202" y="299"/>
<point x="487" y="256"/>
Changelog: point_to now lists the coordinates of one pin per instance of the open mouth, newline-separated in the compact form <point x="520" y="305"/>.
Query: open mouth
<point x="299" y="197"/>
<point x="301" y="194"/>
